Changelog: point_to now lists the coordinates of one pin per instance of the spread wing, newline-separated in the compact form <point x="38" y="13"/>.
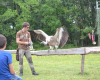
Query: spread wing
<point x="38" y="34"/>
<point x="64" y="37"/>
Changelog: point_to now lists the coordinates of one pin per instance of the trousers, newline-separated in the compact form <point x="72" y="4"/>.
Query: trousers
<point x="27" y="54"/>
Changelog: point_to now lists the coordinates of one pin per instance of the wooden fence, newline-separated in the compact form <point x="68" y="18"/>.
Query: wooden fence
<point x="73" y="51"/>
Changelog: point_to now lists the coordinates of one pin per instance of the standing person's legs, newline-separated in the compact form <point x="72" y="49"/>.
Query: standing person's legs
<point x="15" y="77"/>
<point x="29" y="59"/>
<point x="21" y="53"/>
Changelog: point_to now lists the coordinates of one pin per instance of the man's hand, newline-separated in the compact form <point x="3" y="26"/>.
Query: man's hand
<point x="26" y="43"/>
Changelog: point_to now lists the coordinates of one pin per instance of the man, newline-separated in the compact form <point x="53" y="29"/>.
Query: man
<point x="6" y="67"/>
<point x="23" y="39"/>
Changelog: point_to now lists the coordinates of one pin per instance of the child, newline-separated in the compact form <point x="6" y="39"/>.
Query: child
<point x="6" y="67"/>
<point x="92" y="36"/>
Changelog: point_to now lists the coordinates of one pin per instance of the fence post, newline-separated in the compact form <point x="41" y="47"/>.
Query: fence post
<point x="82" y="63"/>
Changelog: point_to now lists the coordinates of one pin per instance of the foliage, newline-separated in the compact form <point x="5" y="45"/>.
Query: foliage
<point x="77" y="16"/>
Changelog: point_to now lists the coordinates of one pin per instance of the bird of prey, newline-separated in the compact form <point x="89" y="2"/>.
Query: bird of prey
<point x="58" y="40"/>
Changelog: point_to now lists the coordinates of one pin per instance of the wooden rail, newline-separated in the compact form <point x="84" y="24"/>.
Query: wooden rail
<point x="73" y="51"/>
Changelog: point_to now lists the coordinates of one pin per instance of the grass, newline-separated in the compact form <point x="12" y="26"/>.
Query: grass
<point x="61" y="67"/>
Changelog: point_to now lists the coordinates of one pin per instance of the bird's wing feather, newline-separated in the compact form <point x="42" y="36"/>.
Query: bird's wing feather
<point x="40" y="37"/>
<point x="64" y="37"/>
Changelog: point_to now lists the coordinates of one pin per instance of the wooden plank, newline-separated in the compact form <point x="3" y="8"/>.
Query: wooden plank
<point x="90" y="50"/>
<point x="72" y="51"/>
<point x="11" y="51"/>
<point x="53" y="52"/>
<point x="60" y="52"/>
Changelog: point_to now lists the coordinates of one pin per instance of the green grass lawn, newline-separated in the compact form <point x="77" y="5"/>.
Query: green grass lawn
<point x="61" y="67"/>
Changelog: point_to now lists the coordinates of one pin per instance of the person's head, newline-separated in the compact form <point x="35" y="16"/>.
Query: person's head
<point x="92" y="31"/>
<point x="3" y="41"/>
<point x="26" y="26"/>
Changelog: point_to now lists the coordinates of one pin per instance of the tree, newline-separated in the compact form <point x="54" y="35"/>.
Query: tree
<point x="77" y="16"/>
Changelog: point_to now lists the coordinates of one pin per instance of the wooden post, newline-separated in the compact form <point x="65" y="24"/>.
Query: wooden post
<point x="82" y="61"/>
<point x="82" y="64"/>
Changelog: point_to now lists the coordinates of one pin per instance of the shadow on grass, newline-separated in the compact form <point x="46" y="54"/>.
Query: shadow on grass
<point x="84" y="73"/>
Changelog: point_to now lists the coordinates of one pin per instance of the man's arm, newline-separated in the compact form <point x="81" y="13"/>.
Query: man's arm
<point x="30" y="40"/>
<point x="29" y="37"/>
<point x="18" y="41"/>
<point x="11" y="69"/>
